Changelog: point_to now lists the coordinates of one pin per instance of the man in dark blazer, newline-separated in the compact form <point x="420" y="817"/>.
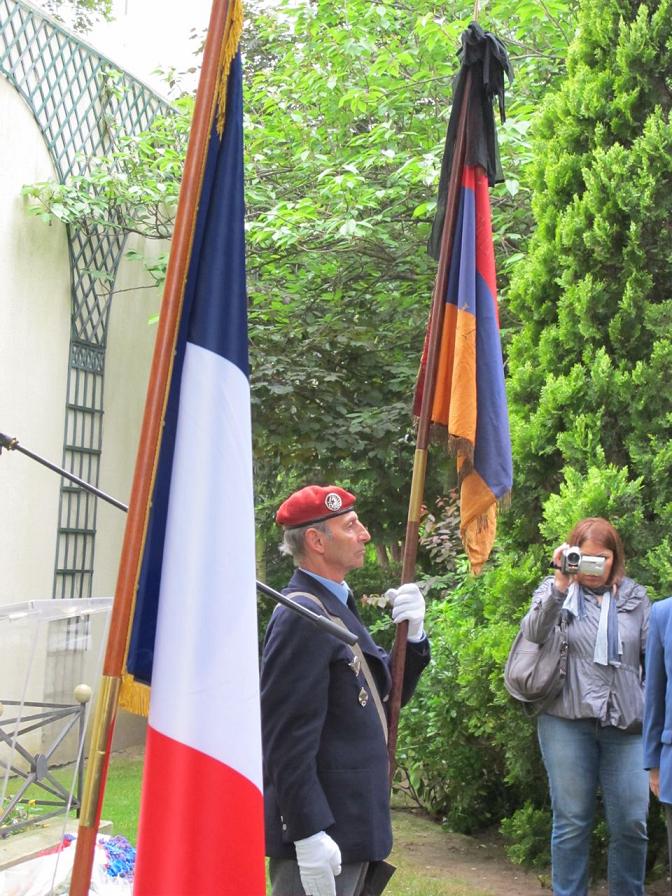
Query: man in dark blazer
<point x="326" y="783"/>
<point x="658" y="709"/>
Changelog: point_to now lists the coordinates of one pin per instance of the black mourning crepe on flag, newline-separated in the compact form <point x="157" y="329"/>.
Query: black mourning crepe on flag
<point x="486" y="57"/>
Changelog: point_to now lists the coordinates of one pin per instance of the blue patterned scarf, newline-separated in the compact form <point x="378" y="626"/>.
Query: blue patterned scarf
<point x="608" y="646"/>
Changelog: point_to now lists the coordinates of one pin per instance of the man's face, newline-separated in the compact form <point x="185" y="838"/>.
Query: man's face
<point x="344" y="549"/>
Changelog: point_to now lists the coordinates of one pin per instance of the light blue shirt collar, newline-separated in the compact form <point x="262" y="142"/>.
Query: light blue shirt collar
<point x="338" y="589"/>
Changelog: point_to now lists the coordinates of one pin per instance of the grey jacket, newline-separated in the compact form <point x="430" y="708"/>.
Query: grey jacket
<point x="612" y="694"/>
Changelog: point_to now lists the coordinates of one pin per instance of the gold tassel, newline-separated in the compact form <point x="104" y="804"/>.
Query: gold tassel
<point x="234" y="28"/>
<point x="134" y="696"/>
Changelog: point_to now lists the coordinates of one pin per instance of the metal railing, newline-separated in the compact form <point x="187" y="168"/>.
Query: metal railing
<point x="48" y="796"/>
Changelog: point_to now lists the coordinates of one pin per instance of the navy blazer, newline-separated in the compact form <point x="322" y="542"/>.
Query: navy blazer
<point x="325" y="756"/>
<point x="658" y="696"/>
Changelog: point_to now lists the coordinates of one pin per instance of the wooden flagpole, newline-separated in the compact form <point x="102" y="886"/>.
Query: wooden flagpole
<point x="157" y="389"/>
<point x="424" y="420"/>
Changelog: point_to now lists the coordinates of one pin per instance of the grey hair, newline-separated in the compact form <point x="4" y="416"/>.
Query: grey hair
<point x="293" y="540"/>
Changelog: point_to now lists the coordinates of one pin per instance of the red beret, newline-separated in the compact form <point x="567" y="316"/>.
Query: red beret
<point x="313" y="504"/>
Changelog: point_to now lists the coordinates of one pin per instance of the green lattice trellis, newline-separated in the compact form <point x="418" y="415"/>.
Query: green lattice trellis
<point x="66" y="84"/>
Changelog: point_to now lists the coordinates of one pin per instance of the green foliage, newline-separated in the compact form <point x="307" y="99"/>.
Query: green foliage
<point x="454" y="773"/>
<point x="347" y="108"/>
<point x="528" y="832"/>
<point x="464" y="747"/>
<point x="439" y="534"/>
<point x="601" y="491"/>
<point x="593" y="292"/>
<point x="80" y="15"/>
<point x="343" y="152"/>
<point x="134" y="188"/>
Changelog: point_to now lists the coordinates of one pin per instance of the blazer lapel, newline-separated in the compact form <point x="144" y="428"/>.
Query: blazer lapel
<point x="303" y="582"/>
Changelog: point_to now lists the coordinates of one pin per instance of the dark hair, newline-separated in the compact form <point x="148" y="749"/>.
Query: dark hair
<point x="596" y="528"/>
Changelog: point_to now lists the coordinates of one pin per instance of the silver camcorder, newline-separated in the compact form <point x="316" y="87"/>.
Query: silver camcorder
<point x="573" y="562"/>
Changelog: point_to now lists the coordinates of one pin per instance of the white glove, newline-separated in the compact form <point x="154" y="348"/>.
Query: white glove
<point x="408" y="605"/>
<point x="319" y="861"/>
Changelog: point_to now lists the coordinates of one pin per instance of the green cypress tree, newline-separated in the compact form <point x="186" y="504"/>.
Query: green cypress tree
<point x="591" y="361"/>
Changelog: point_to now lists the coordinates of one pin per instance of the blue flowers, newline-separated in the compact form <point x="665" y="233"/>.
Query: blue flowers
<point x="120" y="856"/>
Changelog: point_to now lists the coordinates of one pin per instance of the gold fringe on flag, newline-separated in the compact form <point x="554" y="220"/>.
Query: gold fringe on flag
<point x="134" y="696"/>
<point x="478" y="537"/>
<point x="234" y="28"/>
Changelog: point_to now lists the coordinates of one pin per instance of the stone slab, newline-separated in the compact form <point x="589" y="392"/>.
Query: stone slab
<point x="46" y="835"/>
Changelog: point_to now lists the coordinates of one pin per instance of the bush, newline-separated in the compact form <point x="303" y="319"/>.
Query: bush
<point x="528" y="832"/>
<point x="453" y="771"/>
<point x="467" y="750"/>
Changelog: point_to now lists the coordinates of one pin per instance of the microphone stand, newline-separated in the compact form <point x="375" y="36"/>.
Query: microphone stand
<point x="12" y="444"/>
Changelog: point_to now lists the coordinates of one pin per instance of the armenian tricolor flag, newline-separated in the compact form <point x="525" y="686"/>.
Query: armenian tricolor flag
<point x="469" y="396"/>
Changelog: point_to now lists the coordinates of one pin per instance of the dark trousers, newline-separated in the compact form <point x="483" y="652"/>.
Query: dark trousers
<point x="286" y="880"/>
<point x="668" y="824"/>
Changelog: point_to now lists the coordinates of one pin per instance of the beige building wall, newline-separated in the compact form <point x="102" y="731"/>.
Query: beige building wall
<point x="34" y="335"/>
<point x="35" y="307"/>
<point x="128" y="359"/>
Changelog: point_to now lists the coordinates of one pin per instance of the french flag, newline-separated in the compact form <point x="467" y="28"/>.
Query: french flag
<point x="194" y="629"/>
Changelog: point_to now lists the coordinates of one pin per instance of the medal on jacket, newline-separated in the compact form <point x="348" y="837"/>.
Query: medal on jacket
<point x="355" y="664"/>
<point x="363" y="697"/>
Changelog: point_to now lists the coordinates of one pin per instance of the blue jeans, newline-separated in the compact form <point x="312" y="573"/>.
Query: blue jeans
<point x="579" y="756"/>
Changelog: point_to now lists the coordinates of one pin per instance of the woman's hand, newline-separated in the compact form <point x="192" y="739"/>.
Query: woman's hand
<point x="654" y="781"/>
<point x="562" y="582"/>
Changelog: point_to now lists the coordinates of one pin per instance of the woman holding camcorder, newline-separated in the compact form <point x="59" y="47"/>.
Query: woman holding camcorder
<point x="590" y="733"/>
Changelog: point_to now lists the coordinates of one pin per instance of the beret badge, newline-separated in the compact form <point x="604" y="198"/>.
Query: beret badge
<point x="333" y="502"/>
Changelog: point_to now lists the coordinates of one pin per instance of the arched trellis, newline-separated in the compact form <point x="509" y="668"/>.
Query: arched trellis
<point x="78" y="98"/>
